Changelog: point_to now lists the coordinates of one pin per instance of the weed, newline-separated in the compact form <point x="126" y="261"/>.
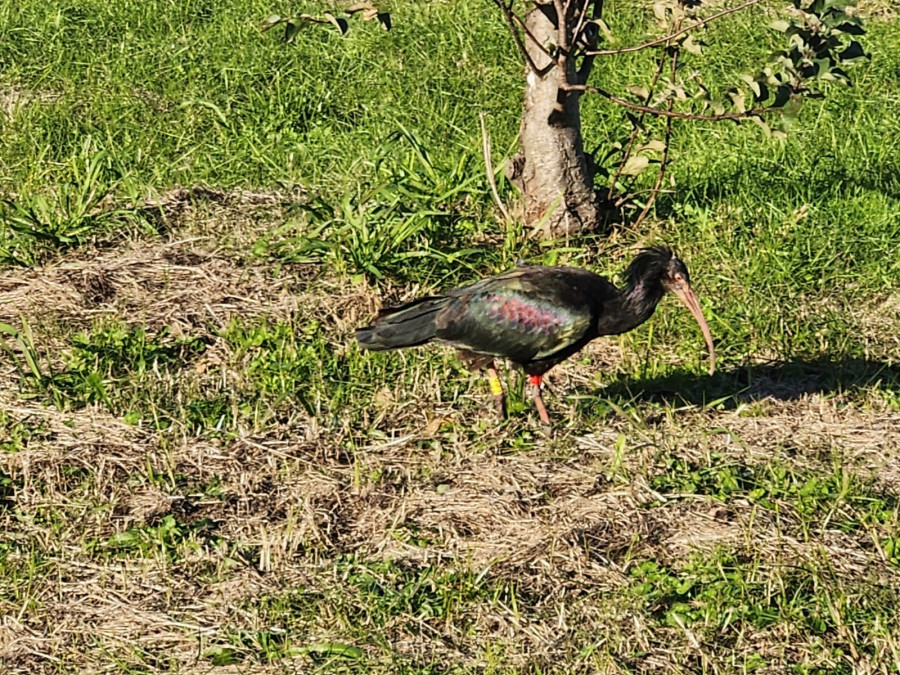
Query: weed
<point x="32" y="227"/>
<point x="840" y="499"/>
<point x="723" y="595"/>
<point x="384" y="228"/>
<point x="168" y="538"/>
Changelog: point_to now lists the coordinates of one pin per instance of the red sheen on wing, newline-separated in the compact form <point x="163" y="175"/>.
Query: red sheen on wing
<point x="516" y="311"/>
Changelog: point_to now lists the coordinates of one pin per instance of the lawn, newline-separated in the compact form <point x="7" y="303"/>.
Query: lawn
<point x="201" y="472"/>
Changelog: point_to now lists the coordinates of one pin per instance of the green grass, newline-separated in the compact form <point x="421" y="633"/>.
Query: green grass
<point x="200" y="469"/>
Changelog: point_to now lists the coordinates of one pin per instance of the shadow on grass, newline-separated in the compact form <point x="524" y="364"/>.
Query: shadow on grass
<point x="780" y="380"/>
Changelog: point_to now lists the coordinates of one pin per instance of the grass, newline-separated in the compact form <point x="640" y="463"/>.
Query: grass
<point x="202" y="473"/>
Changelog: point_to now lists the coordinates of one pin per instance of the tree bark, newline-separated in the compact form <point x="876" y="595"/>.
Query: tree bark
<point x="552" y="171"/>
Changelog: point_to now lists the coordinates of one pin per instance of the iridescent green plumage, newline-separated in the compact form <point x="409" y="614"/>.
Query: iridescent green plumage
<point x="534" y="316"/>
<point x="526" y="315"/>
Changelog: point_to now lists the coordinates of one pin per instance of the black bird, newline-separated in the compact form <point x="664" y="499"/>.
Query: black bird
<point x="536" y="316"/>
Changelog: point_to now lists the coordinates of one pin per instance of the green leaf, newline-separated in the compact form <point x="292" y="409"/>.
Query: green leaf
<point x="678" y="615"/>
<point x="291" y="29"/>
<point x="340" y="24"/>
<point x="364" y="7"/>
<point x="224" y="656"/>
<point x="822" y="67"/>
<point x="641" y="92"/>
<point x="851" y="28"/>
<point x="780" y="25"/>
<point x="782" y="96"/>
<point x="853" y="52"/>
<point x="653" y="145"/>
<point x="758" y="121"/>
<point x="737" y="100"/>
<point x="792" y="109"/>
<point x="839" y="5"/>
<point x="784" y="124"/>
<point x="659" y="11"/>
<point x="636" y="164"/>
<point x="334" y="649"/>
<point x="125" y="539"/>
<point x="755" y="86"/>
<point x="269" y="21"/>
<point x="604" y="28"/>
<point x="840" y="74"/>
<point x="693" y="47"/>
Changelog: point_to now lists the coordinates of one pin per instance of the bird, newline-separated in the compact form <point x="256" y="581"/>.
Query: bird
<point x="536" y="316"/>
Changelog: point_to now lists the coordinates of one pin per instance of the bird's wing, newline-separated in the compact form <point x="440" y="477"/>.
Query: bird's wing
<point x="526" y="314"/>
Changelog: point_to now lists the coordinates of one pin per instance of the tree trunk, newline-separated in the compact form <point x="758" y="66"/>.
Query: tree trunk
<point x="552" y="171"/>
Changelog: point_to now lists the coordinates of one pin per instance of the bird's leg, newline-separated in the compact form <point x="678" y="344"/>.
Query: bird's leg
<point x="535" y="382"/>
<point x="497" y="391"/>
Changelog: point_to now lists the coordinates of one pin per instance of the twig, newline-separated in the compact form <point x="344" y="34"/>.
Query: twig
<point x="488" y="164"/>
<point x="580" y="25"/>
<point x="636" y="129"/>
<point x="665" y="154"/>
<point x="510" y="17"/>
<point x="670" y="113"/>
<point x="624" y="199"/>
<point x="666" y="38"/>
<point x="562" y="40"/>
<point x="536" y="42"/>
<point x="588" y="60"/>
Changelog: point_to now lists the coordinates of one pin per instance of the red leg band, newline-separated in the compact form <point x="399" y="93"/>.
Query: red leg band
<point x="535" y="380"/>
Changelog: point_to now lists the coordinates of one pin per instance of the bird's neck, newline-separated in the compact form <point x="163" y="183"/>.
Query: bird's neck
<point x="632" y="306"/>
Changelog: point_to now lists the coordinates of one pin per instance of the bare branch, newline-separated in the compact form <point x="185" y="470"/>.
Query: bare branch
<point x="634" y="132"/>
<point x="536" y="42"/>
<point x="579" y="26"/>
<point x="671" y="36"/>
<point x="511" y="19"/>
<point x="665" y="155"/>
<point x="670" y="113"/>
<point x="588" y="61"/>
<point x="562" y="38"/>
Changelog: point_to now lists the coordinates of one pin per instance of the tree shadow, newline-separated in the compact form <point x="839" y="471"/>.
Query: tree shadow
<point x="837" y="181"/>
<point x="780" y="380"/>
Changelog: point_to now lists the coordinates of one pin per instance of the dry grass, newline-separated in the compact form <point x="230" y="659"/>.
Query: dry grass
<point x="208" y="476"/>
<point x="879" y="10"/>
<point x="177" y="285"/>
<point x="14" y="98"/>
<point x="303" y="505"/>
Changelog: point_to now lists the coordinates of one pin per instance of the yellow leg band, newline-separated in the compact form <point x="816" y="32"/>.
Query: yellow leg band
<point x="496" y="387"/>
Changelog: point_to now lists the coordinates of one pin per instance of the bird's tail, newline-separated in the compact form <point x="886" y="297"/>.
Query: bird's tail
<point x="405" y="326"/>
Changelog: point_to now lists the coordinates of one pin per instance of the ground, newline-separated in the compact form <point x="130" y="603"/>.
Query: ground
<point x="651" y="534"/>
<point x="201" y="472"/>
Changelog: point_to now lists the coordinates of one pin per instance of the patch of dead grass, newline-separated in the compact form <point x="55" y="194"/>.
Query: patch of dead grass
<point x="555" y="525"/>
<point x="14" y="98"/>
<point x="179" y="285"/>
<point x="879" y="10"/>
<point x="562" y="519"/>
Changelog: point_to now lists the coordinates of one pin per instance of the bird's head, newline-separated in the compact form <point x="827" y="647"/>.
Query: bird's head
<point x="658" y="270"/>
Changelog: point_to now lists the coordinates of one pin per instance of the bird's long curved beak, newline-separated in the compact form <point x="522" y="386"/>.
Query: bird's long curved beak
<point x="686" y="294"/>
